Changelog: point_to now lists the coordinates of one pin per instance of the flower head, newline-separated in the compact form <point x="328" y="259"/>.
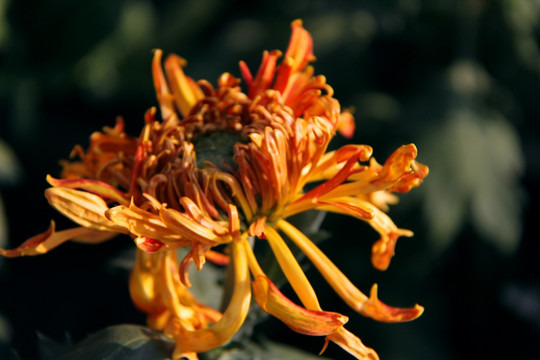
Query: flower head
<point x="225" y="166"/>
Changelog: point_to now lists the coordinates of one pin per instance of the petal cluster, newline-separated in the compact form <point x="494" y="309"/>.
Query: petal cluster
<point x="221" y="168"/>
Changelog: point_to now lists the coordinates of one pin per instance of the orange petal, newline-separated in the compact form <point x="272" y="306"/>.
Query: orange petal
<point x="164" y="96"/>
<point x="299" y="319"/>
<point x="376" y="309"/>
<point x="48" y="240"/>
<point x="217" y="257"/>
<point x="211" y="337"/>
<point x="257" y="228"/>
<point x="84" y="208"/>
<point x="299" y="53"/>
<point x="352" y="344"/>
<point x="343" y="286"/>
<point x="185" y="91"/>
<point x="188" y="228"/>
<point x="265" y="74"/>
<point x="413" y="179"/>
<point x="97" y="187"/>
<point x="346" y="125"/>
<point x="147" y="244"/>
<point x="143" y="223"/>
<point x="350" y="206"/>
<point x="400" y="172"/>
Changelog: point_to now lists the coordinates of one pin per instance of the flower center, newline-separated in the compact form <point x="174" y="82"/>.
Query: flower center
<point x="217" y="148"/>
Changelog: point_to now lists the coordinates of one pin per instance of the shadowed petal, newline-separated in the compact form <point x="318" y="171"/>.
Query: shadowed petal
<point x="48" y="240"/>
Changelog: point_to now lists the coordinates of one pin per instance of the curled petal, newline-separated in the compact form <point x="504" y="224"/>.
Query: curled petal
<point x="357" y="300"/>
<point x="257" y="228"/>
<point x="97" y="187"/>
<point x="48" y="240"/>
<point x="189" y="228"/>
<point x="147" y="244"/>
<point x="188" y="341"/>
<point x="376" y="309"/>
<point x="84" y="208"/>
<point x="143" y="224"/>
<point x="400" y="171"/>
<point x="299" y="53"/>
<point x="413" y="179"/>
<point x="299" y="319"/>
<point x="397" y="165"/>
<point x="384" y="248"/>
<point x="186" y="92"/>
<point x="164" y="96"/>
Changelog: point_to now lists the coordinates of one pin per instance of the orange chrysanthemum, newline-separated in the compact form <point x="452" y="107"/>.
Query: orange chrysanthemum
<point x="224" y="167"/>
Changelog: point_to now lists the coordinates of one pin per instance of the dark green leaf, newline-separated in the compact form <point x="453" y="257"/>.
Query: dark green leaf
<point x="122" y="342"/>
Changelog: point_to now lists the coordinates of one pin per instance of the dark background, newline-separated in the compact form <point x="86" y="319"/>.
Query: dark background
<point x="461" y="79"/>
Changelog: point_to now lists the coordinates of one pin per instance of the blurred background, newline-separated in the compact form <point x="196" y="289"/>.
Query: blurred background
<point x="460" y="79"/>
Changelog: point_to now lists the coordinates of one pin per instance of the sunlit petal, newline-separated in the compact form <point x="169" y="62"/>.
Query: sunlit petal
<point x="233" y="317"/>
<point x="301" y="320"/>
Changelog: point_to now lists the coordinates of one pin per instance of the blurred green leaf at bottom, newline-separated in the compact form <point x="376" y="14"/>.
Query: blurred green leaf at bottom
<point x="135" y="342"/>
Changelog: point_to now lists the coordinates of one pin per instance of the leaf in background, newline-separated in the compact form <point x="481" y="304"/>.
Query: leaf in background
<point x="10" y="173"/>
<point x="475" y="161"/>
<point x="121" y="342"/>
<point x="264" y="350"/>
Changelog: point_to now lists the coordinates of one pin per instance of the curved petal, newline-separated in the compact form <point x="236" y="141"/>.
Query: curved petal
<point x="84" y="208"/>
<point x="370" y="307"/>
<point x="185" y="91"/>
<point x="292" y="270"/>
<point x="208" y="338"/>
<point x="48" y="240"/>
<point x="352" y="344"/>
<point x="299" y="319"/>
<point x="97" y="187"/>
<point x="143" y="224"/>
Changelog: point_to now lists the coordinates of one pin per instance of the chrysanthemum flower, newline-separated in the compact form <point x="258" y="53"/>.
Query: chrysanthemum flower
<point x="219" y="175"/>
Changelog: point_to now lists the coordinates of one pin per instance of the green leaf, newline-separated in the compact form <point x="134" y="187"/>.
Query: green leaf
<point x="122" y="342"/>
<point x="264" y="350"/>
<point x="475" y="163"/>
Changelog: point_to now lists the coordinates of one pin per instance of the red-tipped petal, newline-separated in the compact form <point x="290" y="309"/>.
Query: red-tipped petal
<point x="298" y="318"/>
<point x="377" y="310"/>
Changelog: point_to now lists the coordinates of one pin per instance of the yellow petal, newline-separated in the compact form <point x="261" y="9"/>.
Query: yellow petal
<point x="211" y="337"/>
<point x="299" y="319"/>
<point x="186" y="92"/>
<point x="352" y="344"/>
<point x="357" y="300"/>
<point x="84" y="208"/>
<point x="292" y="270"/>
